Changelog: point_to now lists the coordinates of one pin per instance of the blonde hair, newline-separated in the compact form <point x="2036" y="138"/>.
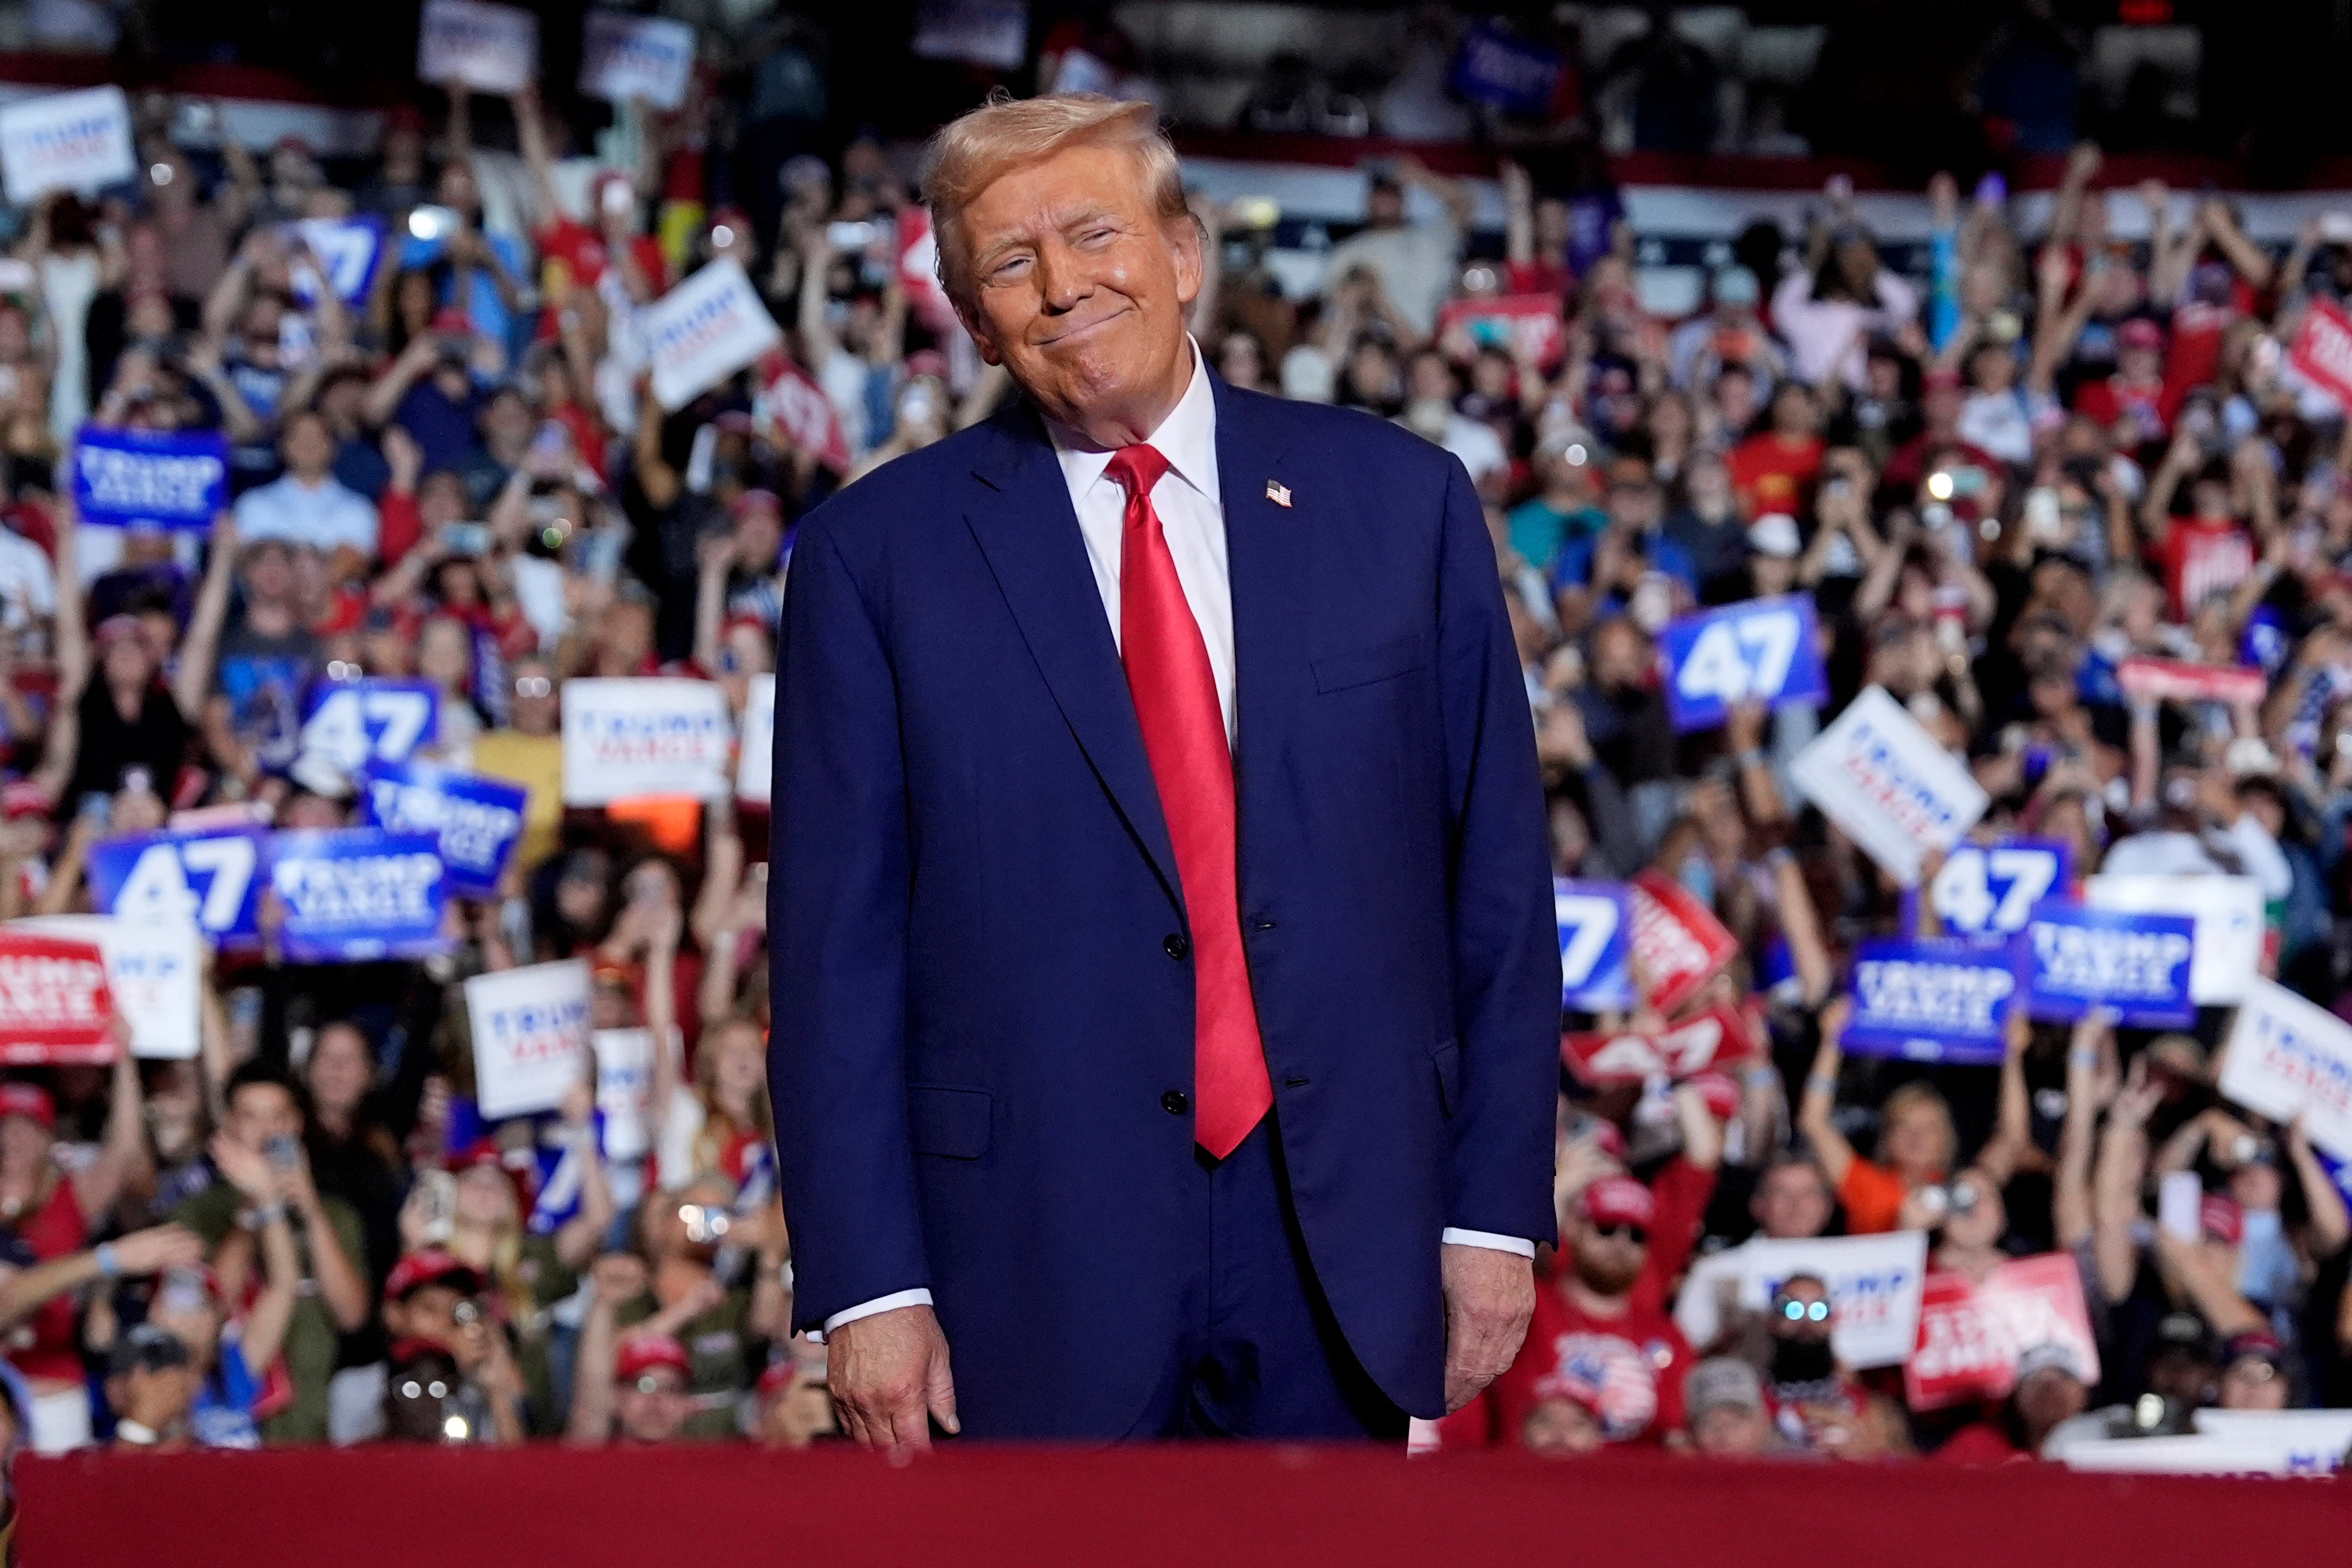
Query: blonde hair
<point x="973" y="152"/>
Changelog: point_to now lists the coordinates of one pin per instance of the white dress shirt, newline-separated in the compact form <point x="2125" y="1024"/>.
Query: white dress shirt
<point x="1192" y="517"/>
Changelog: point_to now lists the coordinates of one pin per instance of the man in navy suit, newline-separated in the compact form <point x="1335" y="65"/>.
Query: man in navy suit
<point x="1166" y="985"/>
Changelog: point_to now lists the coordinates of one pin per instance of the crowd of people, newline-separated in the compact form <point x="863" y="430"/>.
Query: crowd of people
<point x="1996" y="482"/>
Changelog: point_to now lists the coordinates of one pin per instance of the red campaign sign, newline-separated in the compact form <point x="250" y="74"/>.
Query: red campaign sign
<point x="1970" y="1335"/>
<point x="918" y="275"/>
<point x="54" y="1002"/>
<point x="1530" y="321"/>
<point x="1715" y="1037"/>
<point x="2170" y="680"/>
<point x="799" y="408"/>
<point x="2323" y="348"/>
<point x="1678" y="944"/>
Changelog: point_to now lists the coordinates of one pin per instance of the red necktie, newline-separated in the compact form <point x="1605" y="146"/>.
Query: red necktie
<point x="1184" y="737"/>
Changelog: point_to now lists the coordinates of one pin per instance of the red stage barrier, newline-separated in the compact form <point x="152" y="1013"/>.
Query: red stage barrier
<point x="1196" y="1506"/>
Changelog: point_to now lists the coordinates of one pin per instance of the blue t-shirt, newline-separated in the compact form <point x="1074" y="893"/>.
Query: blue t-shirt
<point x="1575" y="564"/>
<point x="222" y="1418"/>
<point x="444" y="428"/>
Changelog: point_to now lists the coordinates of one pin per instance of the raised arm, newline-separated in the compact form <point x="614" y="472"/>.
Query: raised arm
<point x="191" y="682"/>
<point x="1819" y="1099"/>
<point x="123" y="1154"/>
<point x="2090" y="1083"/>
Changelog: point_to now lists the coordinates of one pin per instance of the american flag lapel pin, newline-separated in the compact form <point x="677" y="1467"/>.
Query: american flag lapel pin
<point x="1279" y="494"/>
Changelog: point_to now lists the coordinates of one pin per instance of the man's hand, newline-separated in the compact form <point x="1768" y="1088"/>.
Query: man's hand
<point x="1489" y="1297"/>
<point x="889" y="1374"/>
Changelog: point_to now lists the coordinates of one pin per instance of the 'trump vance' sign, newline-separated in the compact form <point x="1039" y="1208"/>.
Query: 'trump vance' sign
<point x="531" y="1036"/>
<point x="138" y="478"/>
<point x="1930" y="1001"/>
<point x="704" y="331"/>
<point x="1883" y="778"/>
<point x="66" y="141"/>
<point x="630" y="738"/>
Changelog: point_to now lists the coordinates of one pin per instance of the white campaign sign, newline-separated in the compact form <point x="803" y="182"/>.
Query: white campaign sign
<point x="155" y="969"/>
<point x="704" y="331"/>
<point x="1874" y="1283"/>
<point x="2229" y="914"/>
<point x="491" y="48"/>
<point x="2287" y="1057"/>
<point x="755" y="769"/>
<point x="66" y="141"/>
<point x="1883" y="778"/>
<point x="531" y="1036"/>
<point x="629" y="738"/>
<point x="624" y="57"/>
<point x="624" y="1087"/>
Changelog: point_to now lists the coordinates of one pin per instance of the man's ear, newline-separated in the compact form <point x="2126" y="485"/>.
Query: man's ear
<point x="1184" y="243"/>
<point x="984" y="337"/>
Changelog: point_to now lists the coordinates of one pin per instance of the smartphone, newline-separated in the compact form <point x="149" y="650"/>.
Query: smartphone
<point x="181" y="1291"/>
<point x="98" y="810"/>
<point x="2044" y="520"/>
<point x="438" y="1196"/>
<point x="849" y="237"/>
<point x="465" y="538"/>
<point x="282" y="1151"/>
<point x="2179" y="1204"/>
<point x="429" y="222"/>
<point x="600" y="554"/>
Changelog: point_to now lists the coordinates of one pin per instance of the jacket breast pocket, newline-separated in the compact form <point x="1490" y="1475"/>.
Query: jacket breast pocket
<point x="951" y="1123"/>
<point x="1448" y="1058"/>
<point x="1362" y="667"/>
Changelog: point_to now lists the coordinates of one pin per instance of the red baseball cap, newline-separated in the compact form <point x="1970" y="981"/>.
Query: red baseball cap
<point x="2140" y="332"/>
<point x="431" y="1266"/>
<point x="640" y="1354"/>
<point x="1618" y="1200"/>
<point x="29" y="1100"/>
<point x="2220" y="1218"/>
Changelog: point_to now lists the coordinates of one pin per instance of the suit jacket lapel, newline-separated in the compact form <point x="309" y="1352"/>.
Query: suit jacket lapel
<point x="1268" y="566"/>
<point x="1029" y="533"/>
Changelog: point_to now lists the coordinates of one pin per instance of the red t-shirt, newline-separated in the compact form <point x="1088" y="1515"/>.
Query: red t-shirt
<point x="2201" y="560"/>
<point x="1629" y="1368"/>
<point x="571" y="251"/>
<point x="2143" y="403"/>
<point x="1773" y="473"/>
<point x="57" y="1229"/>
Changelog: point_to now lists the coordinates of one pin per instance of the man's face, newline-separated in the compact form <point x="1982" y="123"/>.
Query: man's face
<point x="1609" y="1258"/>
<point x="1560" y="1428"/>
<point x="24" y="1144"/>
<point x="262" y="1112"/>
<point x="1791" y="1204"/>
<point x="307" y="447"/>
<point x="1384" y="206"/>
<point x="1793" y="413"/>
<point x="1634" y="506"/>
<point x="2048" y="1397"/>
<point x="652" y="1407"/>
<point x="1813" y="1316"/>
<point x="2252" y="1384"/>
<point x="441" y="1314"/>
<point x="1077" y="286"/>
<point x="1732" y="1432"/>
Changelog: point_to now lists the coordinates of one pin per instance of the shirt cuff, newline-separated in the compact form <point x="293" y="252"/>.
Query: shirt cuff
<point x="1451" y="1237"/>
<point x="890" y="1302"/>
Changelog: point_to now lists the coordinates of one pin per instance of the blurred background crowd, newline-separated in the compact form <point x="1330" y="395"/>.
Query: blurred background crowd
<point x="2012" y="409"/>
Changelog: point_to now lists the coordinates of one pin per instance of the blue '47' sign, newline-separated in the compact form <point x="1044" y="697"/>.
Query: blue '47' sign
<point x="353" y="723"/>
<point x="1765" y="651"/>
<point x="205" y="877"/>
<point x="1991" y="890"/>
<point x="1596" y="931"/>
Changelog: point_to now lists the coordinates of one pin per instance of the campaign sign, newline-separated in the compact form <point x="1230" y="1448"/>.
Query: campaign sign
<point x="353" y="895"/>
<point x="1970" y="1335"/>
<point x="55" y="1006"/>
<point x="349" y="248"/>
<point x="624" y="57"/>
<point x="1527" y="325"/>
<point x="2288" y="1057"/>
<point x="353" y="723"/>
<point x="64" y="142"/>
<point x="205" y="876"/>
<point x="1596" y="933"/>
<point x="2074" y="959"/>
<point x="475" y="821"/>
<point x="1714" y="1038"/>
<point x="150" y="479"/>
<point x="1930" y="1001"/>
<point x="1990" y="890"/>
<point x="625" y="1090"/>
<point x="1678" y="944"/>
<point x="755" y="766"/>
<point x="531" y="1036"/>
<point x="2227" y="913"/>
<point x="2171" y="680"/>
<point x="1764" y="651"/>
<point x="154" y="969"/>
<point x="704" y="331"/>
<point x="491" y="48"/>
<point x="629" y="738"/>
<point x="2323" y="348"/>
<point x="1883" y="778"/>
<point x="1497" y="67"/>
<point x="1874" y="1286"/>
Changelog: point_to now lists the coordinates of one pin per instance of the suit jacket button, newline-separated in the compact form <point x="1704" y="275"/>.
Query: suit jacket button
<point x="1174" y="945"/>
<point x="1174" y="1102"/>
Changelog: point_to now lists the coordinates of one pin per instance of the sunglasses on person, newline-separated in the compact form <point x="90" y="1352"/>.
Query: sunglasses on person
<point x="1624" y="1231"/>
<point x="1798" y="1311"/>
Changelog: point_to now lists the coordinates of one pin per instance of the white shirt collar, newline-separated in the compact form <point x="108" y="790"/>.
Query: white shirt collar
<point x="1187" y="438"/>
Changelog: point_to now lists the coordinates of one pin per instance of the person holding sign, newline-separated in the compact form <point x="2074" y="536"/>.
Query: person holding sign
<point x="1129" y="562"/>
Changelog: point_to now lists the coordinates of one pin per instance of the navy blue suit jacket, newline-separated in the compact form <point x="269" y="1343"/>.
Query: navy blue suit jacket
<point x="976" y="1012"/>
